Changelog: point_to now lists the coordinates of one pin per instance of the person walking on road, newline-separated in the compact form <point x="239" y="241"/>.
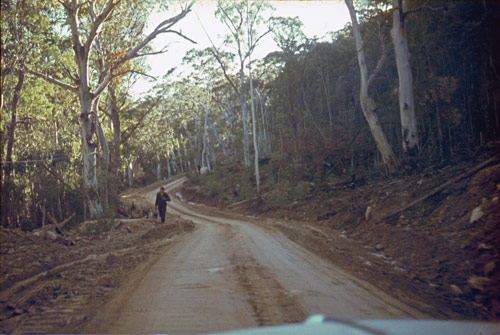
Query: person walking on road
<point x="161" y="203"/>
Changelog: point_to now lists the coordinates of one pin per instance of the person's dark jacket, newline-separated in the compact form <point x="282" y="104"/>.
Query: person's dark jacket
<point x="161" y="201"/>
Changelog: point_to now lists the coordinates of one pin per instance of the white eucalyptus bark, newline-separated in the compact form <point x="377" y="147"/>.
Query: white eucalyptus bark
<point x="89" y="154"/>
<point x="197" y="140"/>
<point x="174" y="163"/>
<point x="169" y="171"/>
<point x="406" y="98"/>
<point x="367" y="102"/>
<point x="229" y="116"/>
<point x="130" y="168"/>
<point x="204" y="155"/>
<point x="244" y="117"/>
<point x="265" y="121"/>
<point x="209" y="167"/>
<point x="158" y="168"/>
<point x="213" y="152"/>
<point x="254" y="127"/>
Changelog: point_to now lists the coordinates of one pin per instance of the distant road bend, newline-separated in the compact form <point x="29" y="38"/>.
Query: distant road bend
<point x="232" y="274"/>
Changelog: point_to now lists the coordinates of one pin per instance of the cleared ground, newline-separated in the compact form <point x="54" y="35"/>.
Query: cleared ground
<point x="233" y="272"/>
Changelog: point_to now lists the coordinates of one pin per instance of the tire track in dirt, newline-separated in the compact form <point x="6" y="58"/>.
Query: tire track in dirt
<point x="233" y="273"/>
<point x="270" y="302"/>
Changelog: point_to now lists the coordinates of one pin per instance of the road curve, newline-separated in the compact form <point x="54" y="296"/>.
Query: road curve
<point x="231" y="274"/>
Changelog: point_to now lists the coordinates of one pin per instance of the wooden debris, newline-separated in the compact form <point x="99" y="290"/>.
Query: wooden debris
<point x="441" y="187"/>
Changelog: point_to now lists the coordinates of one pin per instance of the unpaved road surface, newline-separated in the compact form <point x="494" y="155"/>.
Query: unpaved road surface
<point x="232" y="273"/>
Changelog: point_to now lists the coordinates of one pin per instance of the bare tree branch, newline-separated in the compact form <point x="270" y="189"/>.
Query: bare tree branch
<point x="152" y="53"/>
<point x="167" y="24"/>
<point x="405" y="13"/>
<point x="72" y="12"/>
<point x="216" y="55"/>
<point x="142" y="74"/>
<point x="98" y="20"/>
<point x="104" y="83"/>
<point x="254" y="44"/>
<point x="181" y="35"/>
<point x="52" y="80"/>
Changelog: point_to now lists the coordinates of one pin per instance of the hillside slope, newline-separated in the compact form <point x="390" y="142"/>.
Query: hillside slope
<point x="443" y="250"/>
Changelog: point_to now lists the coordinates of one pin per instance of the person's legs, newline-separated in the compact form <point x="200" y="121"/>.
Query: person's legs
<point x="162" y="213"/>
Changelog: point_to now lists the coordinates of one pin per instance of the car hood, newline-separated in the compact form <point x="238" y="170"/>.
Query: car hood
<point x="319" y="325"/>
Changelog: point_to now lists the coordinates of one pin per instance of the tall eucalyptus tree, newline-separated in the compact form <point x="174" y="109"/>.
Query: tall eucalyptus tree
<point x="244" y="19"/>
<point x="367" y="102"/>
<point x="86" y="22"/>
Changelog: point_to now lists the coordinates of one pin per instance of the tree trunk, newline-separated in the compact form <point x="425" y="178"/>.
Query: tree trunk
<point x="406" y="101"/>
<point x="367" y="103"/>
<point x="267" y="140"/>
<point x="89" y="146"/>
<point x="174" y="159"/>
<point x="204" y="158"/>
<point x="130" y="168"/>
<point x="197" y="148"/>
<point x="208" y="158"/>
<point x="186" y="158"/>
<point x="169" y="171"/>
<point x="158" y="168"/>
<point x="244" y="118"/>
<point x="10" y="144"/>
<point x="254" y="128"/>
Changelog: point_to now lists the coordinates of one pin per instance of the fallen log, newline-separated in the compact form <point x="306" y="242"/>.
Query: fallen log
<point x="58" y="228"/>
<point x="441" y="187"/>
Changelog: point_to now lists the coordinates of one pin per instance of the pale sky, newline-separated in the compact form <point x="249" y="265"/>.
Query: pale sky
<point x="318" y="17"/>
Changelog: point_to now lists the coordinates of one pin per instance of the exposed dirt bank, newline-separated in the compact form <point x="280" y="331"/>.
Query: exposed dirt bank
<point x="440" y="255"/>
<point x="48" y="287"/>
<point x="236" y="272"/>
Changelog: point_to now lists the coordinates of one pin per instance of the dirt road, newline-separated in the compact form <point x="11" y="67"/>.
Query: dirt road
<point x="232" y="273"/>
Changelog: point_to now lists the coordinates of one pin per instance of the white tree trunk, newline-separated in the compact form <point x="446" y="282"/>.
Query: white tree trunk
<point x="75" y="11"/>
<point x="174" y="158"/>
<point x="90" y="185"/>
<point x="214" y="153"/>
<point x="169" y="171"/>
<point x="367" y="103"/>
<point x="406" y="99"/>
<point x="254" y="129"/>
<point x="244" y="117"/>
<point x="130" y="168"/>
<point x="188" y="162"/>
<point x="197" y="140"/>
<point x="158" y="168"/>
<point x="267" y="140"/>
<point x="204" y="154"/>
